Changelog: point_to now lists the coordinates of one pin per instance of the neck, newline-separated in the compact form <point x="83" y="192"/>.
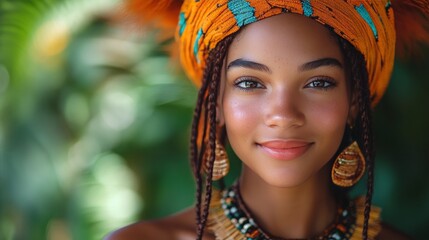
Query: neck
<point x="294" y="212"/>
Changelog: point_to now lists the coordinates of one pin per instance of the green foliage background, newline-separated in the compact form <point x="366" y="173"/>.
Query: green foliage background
<point x="94" y="126"/>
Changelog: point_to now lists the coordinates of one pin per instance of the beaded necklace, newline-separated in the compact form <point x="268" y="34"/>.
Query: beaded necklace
<point x="231" y="219"/>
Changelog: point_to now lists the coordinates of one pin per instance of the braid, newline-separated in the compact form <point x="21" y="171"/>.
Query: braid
<point x="367" y="140"/>
<point x="206" y="104"/>
<point x="212" y="145"/>
<point x="199" y="162"/>
<point x="194" y="155"/>
<point x="207" y="97"/>
<point x="358" y="76"/>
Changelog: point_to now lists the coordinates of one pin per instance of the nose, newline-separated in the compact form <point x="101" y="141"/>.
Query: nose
<point x="283" y="109"/>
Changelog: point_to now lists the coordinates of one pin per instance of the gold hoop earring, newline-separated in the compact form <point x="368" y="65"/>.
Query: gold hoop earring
<point x="349" y="166"/>
<point x="221" y="162"/>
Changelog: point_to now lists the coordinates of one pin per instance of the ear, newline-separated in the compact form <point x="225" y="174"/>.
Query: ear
<point x="220" y="118"/>
<point x="353" y="111"/>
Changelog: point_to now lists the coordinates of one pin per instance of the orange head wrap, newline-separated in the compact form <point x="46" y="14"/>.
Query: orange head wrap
<point x="367" y="25"/>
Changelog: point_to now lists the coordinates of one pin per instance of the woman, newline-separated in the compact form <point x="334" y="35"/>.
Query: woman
<point x="290" y="86"/>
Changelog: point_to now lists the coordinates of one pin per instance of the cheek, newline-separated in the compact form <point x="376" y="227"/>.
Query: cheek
<point x="330" y="118"/>
<point x="240" y="115"/>
<point x="331" y="115"/>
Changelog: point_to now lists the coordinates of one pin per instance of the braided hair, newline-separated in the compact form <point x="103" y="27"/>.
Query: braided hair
<point x="362" y="131"/>
<point x="204" y="120"/>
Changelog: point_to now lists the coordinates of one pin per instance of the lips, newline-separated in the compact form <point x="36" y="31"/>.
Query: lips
<point x="285" y="150"/>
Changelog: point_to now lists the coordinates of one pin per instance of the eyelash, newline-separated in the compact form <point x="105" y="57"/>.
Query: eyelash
<point x="327" y="83"/>
<point x="255" y="84"/>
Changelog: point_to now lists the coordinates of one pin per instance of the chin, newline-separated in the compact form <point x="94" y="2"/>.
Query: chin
<point x="285" y="180"/>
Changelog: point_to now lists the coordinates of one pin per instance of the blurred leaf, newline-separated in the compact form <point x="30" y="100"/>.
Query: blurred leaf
<point x="95" y="124"/>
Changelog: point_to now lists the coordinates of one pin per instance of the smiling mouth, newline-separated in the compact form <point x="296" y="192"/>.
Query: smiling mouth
<point x="285" y="150"/>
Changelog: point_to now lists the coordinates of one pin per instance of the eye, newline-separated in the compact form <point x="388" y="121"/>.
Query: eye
<point x="321" y="83"/>
<point x="248" y="84"/>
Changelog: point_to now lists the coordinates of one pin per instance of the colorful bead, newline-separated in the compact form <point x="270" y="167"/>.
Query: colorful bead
<point x="343" y="228"/>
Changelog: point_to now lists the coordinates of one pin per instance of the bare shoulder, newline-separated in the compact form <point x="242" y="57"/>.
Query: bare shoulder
<point x="180" y="226"/>
<point x="390" y="233"/>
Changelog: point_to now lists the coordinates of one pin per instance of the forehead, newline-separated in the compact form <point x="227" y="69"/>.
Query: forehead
<point x="289" y="38"/>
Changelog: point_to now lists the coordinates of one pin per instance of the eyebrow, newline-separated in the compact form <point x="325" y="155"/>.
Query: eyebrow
<point x="248" y="64"/>
<point x="305" y="67"/>
<point x="320" y="63"/>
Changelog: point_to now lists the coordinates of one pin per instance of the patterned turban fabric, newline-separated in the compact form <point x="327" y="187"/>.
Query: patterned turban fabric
<point x="367" y="25"/>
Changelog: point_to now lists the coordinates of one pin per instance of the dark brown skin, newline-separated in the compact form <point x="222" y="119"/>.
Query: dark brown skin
<point x="283" y="103"/>
<point x="270" y="112"/>
<point x="182" y="227"/>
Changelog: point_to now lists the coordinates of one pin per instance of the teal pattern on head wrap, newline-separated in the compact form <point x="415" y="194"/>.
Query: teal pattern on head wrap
<point x="306" y="6"/>
<point x="242" y="11"/>
<point x="196" y="44"/>
<point x="182" y="23"/>
<point x="365" y="15"/>
<point x="388" y="4"/>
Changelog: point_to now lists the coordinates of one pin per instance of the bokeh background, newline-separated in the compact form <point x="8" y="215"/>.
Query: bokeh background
<point x="95" y="119"/>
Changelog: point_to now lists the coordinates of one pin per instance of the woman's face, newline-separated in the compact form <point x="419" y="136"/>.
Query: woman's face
<point x="284" y="98"/>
